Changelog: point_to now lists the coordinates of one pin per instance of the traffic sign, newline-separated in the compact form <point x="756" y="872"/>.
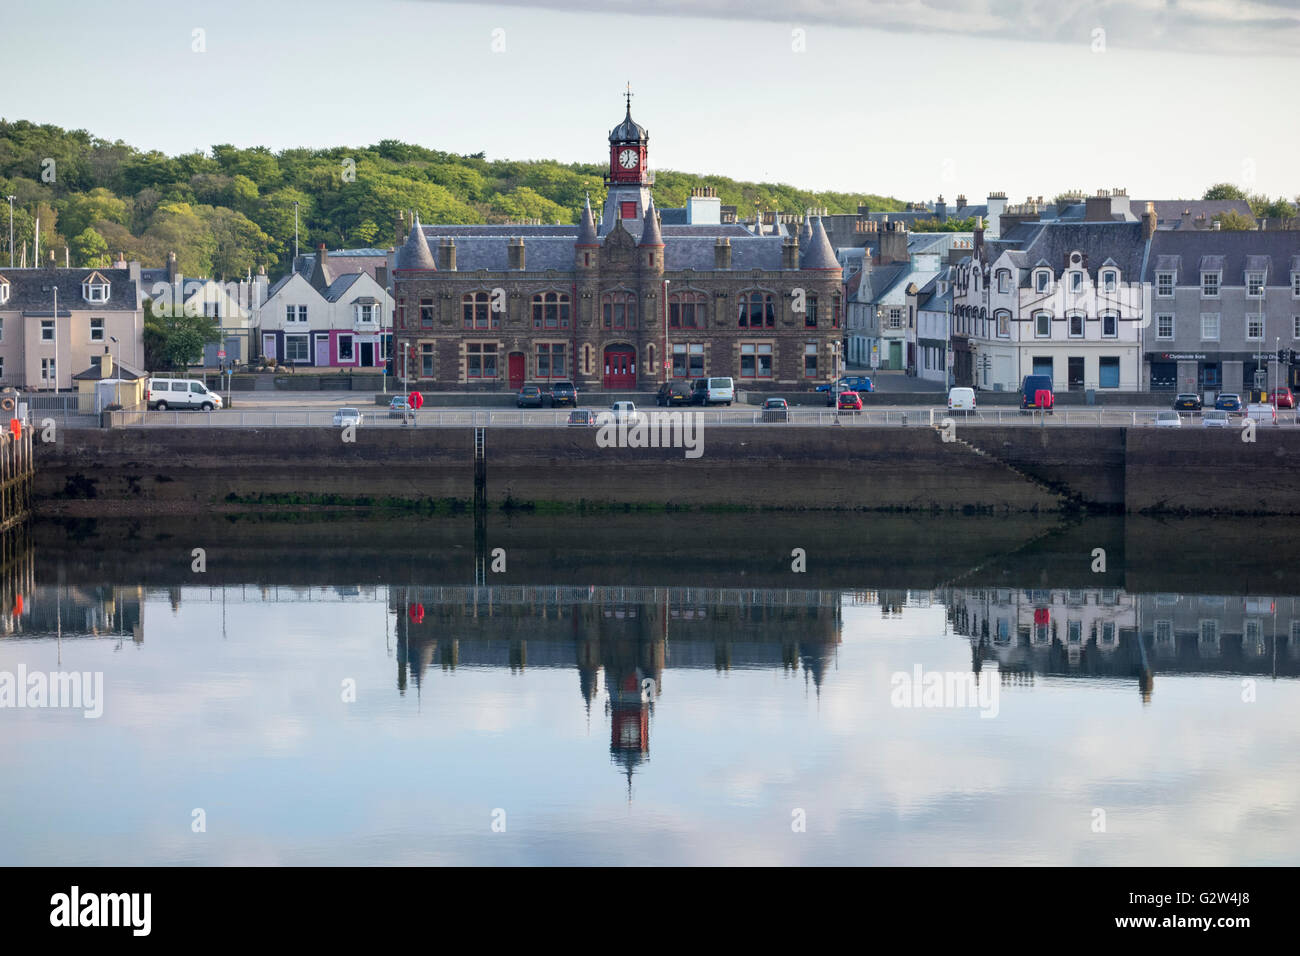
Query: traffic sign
<point x="415" y="399"/>
<point x="221" y="353"/>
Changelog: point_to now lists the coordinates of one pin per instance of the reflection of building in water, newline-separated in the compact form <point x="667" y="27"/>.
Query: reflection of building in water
<point x="1096" y="631"/>
<point x="17" y="575"/>
<point x="73" y="611"/>
<point x="630" y="635"/>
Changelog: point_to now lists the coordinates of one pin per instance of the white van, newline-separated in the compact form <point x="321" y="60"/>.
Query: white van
<point x="961" y="399"/>
<point x="1263" y="414"/>
<point x="720" y="391"/>
<point x="165" y="393"/>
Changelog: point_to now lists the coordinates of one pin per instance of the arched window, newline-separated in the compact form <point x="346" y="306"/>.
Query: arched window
<point x="1003" y="319"/>
<point x="1004" y="281"/>
<point x="757" y="310"/>
<point x="688" y="310"/>
<point x="618" y="310"/>
<point x="551" y="310"/>
<point x="476" y="311"/>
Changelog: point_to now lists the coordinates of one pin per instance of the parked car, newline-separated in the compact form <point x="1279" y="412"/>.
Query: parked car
<point x="399" y="407"/>
<point x="1031" y="388"/>
<point x="1187" y="402"/>
<point x="530" y="396"/>
<point x="849" y="402"/>
<point x="673" y="393"/>
<point x="715" y="391"/>
<point x="1216" y="418"/>
<point x="1262" y="414"/>
<point x="347" y="416"/>
<point x="1228" y="402"/>
<point x="776" y="410"/>
<point x="1283" y="397"/>
<point x="961" y="399"/>
<point x="583" y="417"/>
<point x="625" y="412"/>
<point x="1168" y="419"/>
<point x="564" y="393"/>
<point x="165" y="393"/>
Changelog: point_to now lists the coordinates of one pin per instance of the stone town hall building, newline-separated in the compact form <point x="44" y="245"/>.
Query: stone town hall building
<point x="629" y="303"/>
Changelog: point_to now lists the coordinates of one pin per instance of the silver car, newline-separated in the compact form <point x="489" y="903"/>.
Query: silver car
<point x="1216" y="418"/>
<point x="347" y="416"/>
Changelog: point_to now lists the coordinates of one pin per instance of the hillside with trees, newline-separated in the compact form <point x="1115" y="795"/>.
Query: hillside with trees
<point x="231" y="210"/>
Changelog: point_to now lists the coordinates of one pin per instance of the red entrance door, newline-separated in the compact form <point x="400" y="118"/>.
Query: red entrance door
<point x="620" y="367"/>
<point x="516" y="369"/>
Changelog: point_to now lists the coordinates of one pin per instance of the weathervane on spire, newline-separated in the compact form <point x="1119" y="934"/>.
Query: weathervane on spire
<point x="628" y="96"/>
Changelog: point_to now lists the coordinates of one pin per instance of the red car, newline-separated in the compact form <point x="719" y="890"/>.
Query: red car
<point x="850" y="402"/>
<point x="1283" y="398"/>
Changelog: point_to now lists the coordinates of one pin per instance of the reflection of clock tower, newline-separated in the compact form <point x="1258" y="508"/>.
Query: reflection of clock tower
<point x="628" y="179"/>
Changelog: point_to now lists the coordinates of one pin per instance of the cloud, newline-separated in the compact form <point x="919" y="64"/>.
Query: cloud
<point x="1196" y="26"/>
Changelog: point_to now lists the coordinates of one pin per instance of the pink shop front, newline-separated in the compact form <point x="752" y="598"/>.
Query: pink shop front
<point x="332" y="349"/>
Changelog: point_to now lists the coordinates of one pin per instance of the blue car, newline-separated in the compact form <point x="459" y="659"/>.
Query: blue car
<point x="851" y="383"/>
<point x="1228" y="402"/>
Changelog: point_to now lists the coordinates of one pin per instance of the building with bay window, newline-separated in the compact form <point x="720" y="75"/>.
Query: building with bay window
<point x="621" y="302"/>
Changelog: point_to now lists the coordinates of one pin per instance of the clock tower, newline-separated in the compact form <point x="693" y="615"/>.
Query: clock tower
<point x="628" y="178"/>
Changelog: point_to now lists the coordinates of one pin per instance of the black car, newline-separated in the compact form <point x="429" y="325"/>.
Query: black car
<point x="1187" y="402"/>
<point x="673" y="393"/>
<point x="700" y="392"/>
<point x="530" y="396"/>
<point x="564" y="393"/>
<point x="1030" y="389"/>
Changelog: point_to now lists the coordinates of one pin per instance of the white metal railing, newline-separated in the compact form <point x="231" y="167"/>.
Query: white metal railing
<point x="525" y="418"/>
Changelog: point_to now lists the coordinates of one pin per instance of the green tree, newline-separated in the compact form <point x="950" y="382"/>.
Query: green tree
<point x="89" y="249"/>
<point x="1233" y="221"/>
<point x="1224" y="191"/>
<point x="173" y="341"/>
<point x="83" y="210"/>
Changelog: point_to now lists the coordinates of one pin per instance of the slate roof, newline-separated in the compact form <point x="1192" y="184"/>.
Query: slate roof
<point x="1234" y="252"/>
<point x="415" y="253"/>
<point x="121" y="370"/>
<point x="343" y="260"/>
<point x="1097" y="241"/>
<point x="31" y="291"/>
<point x="1169" y="212"/>
<point x="586" y="227"/>
<point x="820" y="254"/>
<point x="650" y="234"/>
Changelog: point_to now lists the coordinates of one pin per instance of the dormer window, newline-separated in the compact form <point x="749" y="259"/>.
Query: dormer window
<point x="1076" y="281"/>
<point x="1295" y="286"/>
<point x="4" y="290"/>
<point x="94" y="288"/>
<point x="1004" y="281"/>
<point x="1255" y="285"/>
<point x="1109" y="280"/>
<point x="1042" y="280"/>
<point x="1210" y="285"/>
<point x="1164" y="284"/>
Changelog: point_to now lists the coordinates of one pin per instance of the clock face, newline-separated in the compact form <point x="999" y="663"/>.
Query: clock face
<point x="627" y="159"/>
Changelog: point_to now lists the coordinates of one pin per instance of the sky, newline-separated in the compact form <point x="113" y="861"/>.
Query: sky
<point x="911" y="98"/>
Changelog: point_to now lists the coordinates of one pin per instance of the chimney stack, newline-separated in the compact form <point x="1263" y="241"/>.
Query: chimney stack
<point x="517" y="253"/>
<point x="171" y="267"/>
<point x="447" y="255"/>
<point x="790" y="252"/>
<point x="1149" y="221"/>
<point x="722" y="253"/>
<point x="979" y="236"/>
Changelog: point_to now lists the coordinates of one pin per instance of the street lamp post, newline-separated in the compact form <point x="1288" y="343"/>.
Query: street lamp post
<point x="665" y="358"/>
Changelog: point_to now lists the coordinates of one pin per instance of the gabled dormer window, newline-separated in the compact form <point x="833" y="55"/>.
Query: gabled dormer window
<point x="1004" y="281"/>
<point x="1042" y="280"/>
<point x="94" y="288"/>
<point x="1210" y="285"/>
<point x="4" y="290"/>
<point x="1109" y="280"/>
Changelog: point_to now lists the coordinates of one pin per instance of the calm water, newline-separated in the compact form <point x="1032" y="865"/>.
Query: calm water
<point x="361" y="722"/>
